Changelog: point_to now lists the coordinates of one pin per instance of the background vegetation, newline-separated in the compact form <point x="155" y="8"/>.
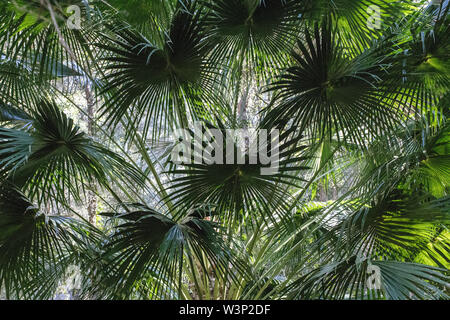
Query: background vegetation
<point x="89" y="197"/>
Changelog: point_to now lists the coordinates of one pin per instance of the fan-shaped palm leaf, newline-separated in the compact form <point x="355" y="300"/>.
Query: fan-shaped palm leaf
<point x="52" y="157"/>
<point x="150" y="244"/>
<point x="360" y="20"/>
<point x="235" y="184"/>
<point x="350" y="278"/>
<point x="35" y="249"/>
<point x="332" y="91"/>
<point x="160" y="79"/>
<point x="255" y="30"/>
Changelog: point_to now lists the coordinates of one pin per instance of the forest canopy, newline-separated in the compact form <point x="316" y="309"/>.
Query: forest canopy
<point x="224" y="149"/>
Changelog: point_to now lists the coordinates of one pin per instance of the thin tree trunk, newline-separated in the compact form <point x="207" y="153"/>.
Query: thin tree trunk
<point x="323" y="196"/>
<point x="91" y="197"/>
<point x="242" y="116"/>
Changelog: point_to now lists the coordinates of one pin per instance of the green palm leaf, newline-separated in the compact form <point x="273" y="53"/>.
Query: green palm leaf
<point x="257" y="31"/>
<point x="358" y="19"/>
<point x="158" y="79"/>
<point x="350" y="278"/>
<point x="149" y="244"/>
<point x="53" y="157"/>
<point x="35" y="249"/>
<point x="10" y="113"/>
<point x="330" y="90"/>
<point x="239" y="189"/>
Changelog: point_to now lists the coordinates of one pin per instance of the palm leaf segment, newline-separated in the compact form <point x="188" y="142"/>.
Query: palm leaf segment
<point x="394" y="235"/>
<point x="159" y="78"/>
<point x="258" y="31"/>
<point x="51" y="156"/>
<point x="335" y="90"/>
<point x="140" y="13"/>
<point x="403" y="222"/>
<point x="399" y="227"/>
<point x="427" y="63"/>
<point x="237" y="188"/>
<point x="10" y="113"/>
<point x="360" y="20"/>
<point x="148" y="245"/>
<point x="35" y="249"/>
<point x="416" y="158"/>
<point x="28" y="32"/>
<point x="353" y="278"/>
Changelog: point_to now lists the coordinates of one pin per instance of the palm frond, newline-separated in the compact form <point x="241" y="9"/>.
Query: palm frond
<point x="332" y="91"/>
<point x="240" y="186"/>
<point x="35" y="249"/>
<point x="157" y="81"/>
<point x="52" y="158"/>
<point x="350" y="278"/>
<point x="149" y="245"/>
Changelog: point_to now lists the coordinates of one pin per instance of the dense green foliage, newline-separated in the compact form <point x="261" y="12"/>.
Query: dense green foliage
<point x="86" y="121"/>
